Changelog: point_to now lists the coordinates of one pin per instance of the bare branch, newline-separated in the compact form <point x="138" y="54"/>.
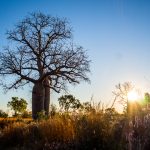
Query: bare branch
<point x="44" y="48"/>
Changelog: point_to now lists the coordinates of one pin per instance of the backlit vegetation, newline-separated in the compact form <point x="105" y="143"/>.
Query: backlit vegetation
<point x="83" y="127"/>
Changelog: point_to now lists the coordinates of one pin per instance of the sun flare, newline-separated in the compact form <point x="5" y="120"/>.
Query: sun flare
<point x="133" y="96"/>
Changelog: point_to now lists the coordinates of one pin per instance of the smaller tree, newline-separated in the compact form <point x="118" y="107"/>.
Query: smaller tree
<point x="18" y="106"/>
<point x="3" y="114"/>
<point x="53" y="110"/>
<point x="87" y="106"/>
<point x="111" y="115"/>
<point x="67" y="102"/>
<point x="121" y="95"/>
<point x="26" y="114"/>
<point x="147" y="100"/>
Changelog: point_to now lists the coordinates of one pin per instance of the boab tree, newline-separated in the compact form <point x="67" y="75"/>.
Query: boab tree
<point x="42" y="53"/>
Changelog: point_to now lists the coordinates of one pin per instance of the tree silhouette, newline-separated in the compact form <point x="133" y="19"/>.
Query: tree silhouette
<point x="42" y="53"/>
<point x="121" y="94"/>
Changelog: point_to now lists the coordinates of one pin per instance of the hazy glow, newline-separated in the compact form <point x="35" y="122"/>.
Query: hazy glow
<point x="133" y="96"/>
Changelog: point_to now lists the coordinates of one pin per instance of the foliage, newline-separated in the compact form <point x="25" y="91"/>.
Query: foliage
<point x="101" y="130"/>
<point x="67" y="102"/>
<point x="111" y="114"/>
<point x="26" y="114"/>
<point x="53" y="110"/>
<point x="90" y="131"/>
<point x="146" y="98"/>
<point x="87" y="107"/>
<point x="41" y="115"/>
<point x="18" y="105"/>
<point x="3" y="114"/>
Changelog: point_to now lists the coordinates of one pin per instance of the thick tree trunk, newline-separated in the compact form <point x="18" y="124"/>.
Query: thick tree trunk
<point x="38" y="95"/>
<point x="47" y="96"/>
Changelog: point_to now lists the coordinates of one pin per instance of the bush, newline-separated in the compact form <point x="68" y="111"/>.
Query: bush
<point x="64" y="132"/>
<point x="107" y="130"/>
<point x="26" y="114"/>
<point x="3" y="114"/>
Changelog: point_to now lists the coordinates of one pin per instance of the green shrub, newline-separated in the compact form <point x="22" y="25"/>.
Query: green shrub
<point x="26" y="114"/>
<point x="3" y="114"/>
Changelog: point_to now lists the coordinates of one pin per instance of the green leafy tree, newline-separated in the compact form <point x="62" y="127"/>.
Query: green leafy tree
<point x="26" y="114"/>
<point x="17" y="105"/>
<point x="88" y="107"/>
<point x="3" y="114"/>
<point x="147" y="98"/>
<point x="146" y="102"/>
<point x="67" y="102"/>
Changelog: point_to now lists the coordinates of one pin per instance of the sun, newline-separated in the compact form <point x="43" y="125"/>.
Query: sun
<point x="133" y="96"/>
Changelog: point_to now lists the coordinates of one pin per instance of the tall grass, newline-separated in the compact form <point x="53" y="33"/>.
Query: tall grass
<point x="104" y="130"/>
<point x="92" y="131"/>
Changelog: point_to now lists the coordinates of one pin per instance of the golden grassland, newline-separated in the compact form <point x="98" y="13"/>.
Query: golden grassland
<point x="93" y="131"/>
<point x="66" y="132"/>
<point x="14" y="119"/>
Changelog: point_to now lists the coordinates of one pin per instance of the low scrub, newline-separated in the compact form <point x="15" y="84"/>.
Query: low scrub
<point x="93" y="131"/>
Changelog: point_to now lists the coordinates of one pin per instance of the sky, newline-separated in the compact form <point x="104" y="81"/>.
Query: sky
<point x="115" y="33"/>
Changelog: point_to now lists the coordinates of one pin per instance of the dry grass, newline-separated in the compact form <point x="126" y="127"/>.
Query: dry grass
<point x="62" y="132"/>
<point x="14" y="119"/>
<point x="94" y="131"/>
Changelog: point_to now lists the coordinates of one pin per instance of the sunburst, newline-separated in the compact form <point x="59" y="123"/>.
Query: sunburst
<point x="133" y="96"/>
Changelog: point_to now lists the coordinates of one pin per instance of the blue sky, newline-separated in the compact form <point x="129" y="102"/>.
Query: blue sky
<point x="116" y="34"/>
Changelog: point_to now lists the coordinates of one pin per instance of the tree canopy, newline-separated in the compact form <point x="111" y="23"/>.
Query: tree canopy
<point x="18" y="106"/>
<point x="67" y="102"/>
